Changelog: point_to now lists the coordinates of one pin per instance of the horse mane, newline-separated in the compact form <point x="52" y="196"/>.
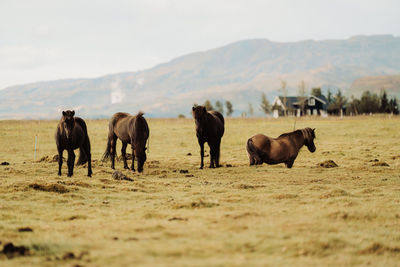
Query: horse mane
<point x="289" y="134"/>
<point x="141" y="128"/>
<point x="307" y="133"/>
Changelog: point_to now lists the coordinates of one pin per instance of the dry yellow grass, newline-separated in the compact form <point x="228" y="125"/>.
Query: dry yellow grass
<point x="239" y="215"/>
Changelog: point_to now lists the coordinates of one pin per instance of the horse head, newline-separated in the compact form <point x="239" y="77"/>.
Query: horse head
<point x="140" y="154"/>
<point x="199" y="114"/>
<point x="309" y="136"/>
<point x="68" y="122"/>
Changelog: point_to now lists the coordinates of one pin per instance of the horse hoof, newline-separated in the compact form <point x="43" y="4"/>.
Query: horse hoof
<point x="126" y="167"/>
<point x="201" y="168"/>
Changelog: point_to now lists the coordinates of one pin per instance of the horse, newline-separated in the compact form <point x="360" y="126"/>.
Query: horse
<point x="130" y="130"/>
<point x="284" y="149"/>
<point x="210" y="129"/>
<point x="71" y="134"/>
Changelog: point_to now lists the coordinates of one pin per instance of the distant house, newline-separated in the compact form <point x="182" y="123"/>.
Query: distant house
<point x="313" y="105"/>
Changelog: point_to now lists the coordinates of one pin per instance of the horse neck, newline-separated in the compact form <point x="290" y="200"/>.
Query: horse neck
<point x="299" y="138"/>
<point x="304" y="135"/>
<point x="140" y="130"/>
<point x="201" y="123"/>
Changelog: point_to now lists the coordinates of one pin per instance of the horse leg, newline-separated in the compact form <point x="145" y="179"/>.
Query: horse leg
<point x="217" y="154"/>
<point x="289" y="163"/>
<point x="86" y="149"/>
<point x="60" y="160"/>
<point x="212" y="154"/>
<point x="113" y="150"/>
<point x="252" y="161"/>
<point x="71" y="161"/>
<point x="133" y="156"/>
<point x="123" y="153"/>
<point x="201" y="143"/>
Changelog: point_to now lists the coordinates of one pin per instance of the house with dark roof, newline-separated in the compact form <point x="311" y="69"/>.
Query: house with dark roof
<point x="300" y="106"/>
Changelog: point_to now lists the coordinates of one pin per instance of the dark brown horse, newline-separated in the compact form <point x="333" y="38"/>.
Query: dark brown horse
<point x="130" y="130"/>
<point x="210" y="129"/>
<point x="284" y="149"/>
<point x="71" y="134"/>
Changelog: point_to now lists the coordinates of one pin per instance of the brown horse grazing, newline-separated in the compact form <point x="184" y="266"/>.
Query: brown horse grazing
<point x="71" y="134"/>
<point x="210" y="129"/>
<point x="130" y="130"/>
<point x="284" y="149"/>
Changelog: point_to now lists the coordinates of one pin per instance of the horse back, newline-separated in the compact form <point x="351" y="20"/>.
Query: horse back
<point x="81" y="123"/>
<point x="217" y="123"/>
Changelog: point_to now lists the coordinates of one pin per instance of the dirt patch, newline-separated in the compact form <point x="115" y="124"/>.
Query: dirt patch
<point x="177" y="219"/>
<point x="322" y="249"/>
<point x="72" y="256"/>
<point x="245" y="186"/>
<point x="396" y="157"/>
<point x="57" y="188"/>
<point x="50" y="159"/>
<point x="189" y="154"/>
<point x="285" y="196"/>
<point x="81" y="184"/>
<point x="335" y="193"/>
<point x="25" y="229"/>
<point x="340" y="215"/>
<point x="117" y="175"/>
<point x="5" y="163"/>
<point x="196" y="205"/>
<point x="183" y="171"/>
<point x="378" y="248"/>
<point x="242" y="215"/>
<point x="12" y="251"/>
<point x="328" y="164"/>
<point x="380" y="164"/>
<point x="76" y="217"/>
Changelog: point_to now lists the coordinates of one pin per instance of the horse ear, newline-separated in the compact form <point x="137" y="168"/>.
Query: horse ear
<point x="193" y="108"/>
<point x="313" y="130"/>
<point x="204" y="108"/>
<point x="73" y="112"/>
<point x="63" y="113"/>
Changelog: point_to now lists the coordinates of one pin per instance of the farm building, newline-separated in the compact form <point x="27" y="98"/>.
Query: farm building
<point x="313" y="105"/>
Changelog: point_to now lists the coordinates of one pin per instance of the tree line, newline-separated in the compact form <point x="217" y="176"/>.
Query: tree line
<point x="337" y="103"/>
<point x="368" y="103"/>
<point x="219" y="106"/>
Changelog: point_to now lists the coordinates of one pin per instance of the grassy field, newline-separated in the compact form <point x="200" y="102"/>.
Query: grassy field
<point x="231" y="216"/>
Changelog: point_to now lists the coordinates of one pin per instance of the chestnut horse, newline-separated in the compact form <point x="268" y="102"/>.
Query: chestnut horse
<point x="284" y="149"/>
<point x="210" y="129"/>
<point x="130" y="130"/>
<point x="71" y="134"/>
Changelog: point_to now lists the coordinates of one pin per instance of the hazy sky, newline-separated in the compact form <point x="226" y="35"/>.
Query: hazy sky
<point x="53" y="39"/>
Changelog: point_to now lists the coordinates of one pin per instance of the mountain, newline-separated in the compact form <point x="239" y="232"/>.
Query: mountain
<point x="238" y="72"/>
<point x="374" y="84"/>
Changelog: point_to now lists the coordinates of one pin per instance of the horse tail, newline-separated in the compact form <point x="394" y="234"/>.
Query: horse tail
<point x="253" y="152"/>
<point x="82" y="155"/>
<point x="107" y="153"/>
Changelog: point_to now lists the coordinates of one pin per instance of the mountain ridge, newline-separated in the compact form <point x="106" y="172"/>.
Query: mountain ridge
<point x="238" y="72"/>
